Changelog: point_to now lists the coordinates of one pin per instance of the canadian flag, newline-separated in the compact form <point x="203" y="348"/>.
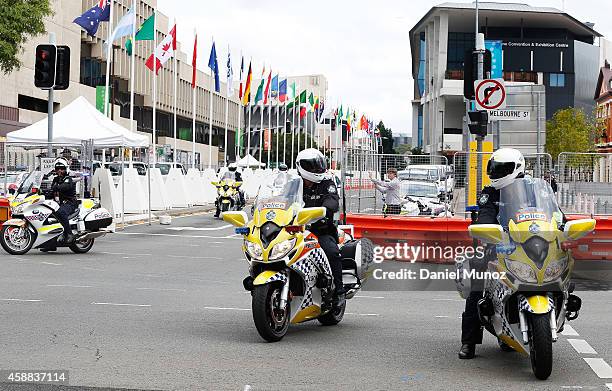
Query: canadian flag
<point x="164" y="51"/>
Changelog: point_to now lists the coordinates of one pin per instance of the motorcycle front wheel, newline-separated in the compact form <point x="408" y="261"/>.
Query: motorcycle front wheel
<point x="540" y="345"/>
<point x="82" y="247"/>
<point x="16" y="240"/>
<point x="271" y="321"/>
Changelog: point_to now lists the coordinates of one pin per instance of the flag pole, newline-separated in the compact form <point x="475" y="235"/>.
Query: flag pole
<point x="228" y="81"/>
<point x="194" y="87"/>
<point x="240" y="106"/>
<point x="154" y="87"/>
<point x="175" y="85"/>
<point x="261" y="123"/>
<point x="292" y="133"/>
<point x="250" y="107"/>
<point x="132" y="71"/>
<point x="108" y="57"/>
<point x="277" y="115"/>
<point x="210" y="117"/>
<point x="269" y="95"/>
<point x="285" y="132"/>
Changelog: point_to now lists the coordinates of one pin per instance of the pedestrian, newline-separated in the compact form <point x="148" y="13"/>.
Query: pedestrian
<point x="551" y="179"/>
<point x="391" y="190"/>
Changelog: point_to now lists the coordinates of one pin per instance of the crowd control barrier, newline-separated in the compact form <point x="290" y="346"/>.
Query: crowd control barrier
<point x="452" y="232"/>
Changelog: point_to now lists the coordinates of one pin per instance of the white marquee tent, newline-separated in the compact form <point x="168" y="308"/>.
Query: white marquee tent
<point x="77" y="122"/>
<point x="249" y="161"/>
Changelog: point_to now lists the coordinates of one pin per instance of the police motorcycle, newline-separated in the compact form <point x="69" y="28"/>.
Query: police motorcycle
<point x="290" y="278"/>
<point x="528" y="301"/>
<point x="228" y="197"/>
<point x="33" y="223"/>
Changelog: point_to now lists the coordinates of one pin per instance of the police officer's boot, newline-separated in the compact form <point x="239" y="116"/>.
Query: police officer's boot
<point x="467" y="351"/>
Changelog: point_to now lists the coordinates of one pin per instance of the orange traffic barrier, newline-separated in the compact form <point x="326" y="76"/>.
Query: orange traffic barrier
<point x="453" y="232"/>
<point x="5" y="210"/>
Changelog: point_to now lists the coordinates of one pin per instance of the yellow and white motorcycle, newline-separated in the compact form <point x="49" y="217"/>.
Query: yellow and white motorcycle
<point x="227" y="194"/>
<point x="289" y="275"/>
<point x="528" y="290"/>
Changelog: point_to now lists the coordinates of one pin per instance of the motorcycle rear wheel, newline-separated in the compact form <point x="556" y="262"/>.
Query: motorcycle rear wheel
<point x="81" y="247"/>
<point x="540" y="345"/>
<point x="13" y="248"/>
<point x="271" y="322"/>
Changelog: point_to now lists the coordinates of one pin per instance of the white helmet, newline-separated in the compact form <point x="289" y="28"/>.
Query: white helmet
<point x="60" y="163"/>
<point x="311" y="165"/>
<point x="505" y="165"/>
<point x="232" y="167"/>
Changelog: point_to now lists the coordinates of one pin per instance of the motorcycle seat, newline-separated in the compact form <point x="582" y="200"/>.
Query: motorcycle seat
<point x="74" y="214"/>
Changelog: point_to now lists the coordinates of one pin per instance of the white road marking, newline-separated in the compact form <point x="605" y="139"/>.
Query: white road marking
<point x="128" y="254"/>
<point x="370" y="297"/>
<point x="354" y="313"/>
<point x="448" y="300"/>
<point x="581" y="346"/>
<point x="200" y="228"/>
<point x="600" y="367"/>
<point x="172" y="235"/>
<point x="149" y="275"/>
<point x="70" y="286"/>
<point x="228" y="308"/>
<point x="54" y="264"/>
<point x="162" y="289"/>
<point x="92" y="268"/>
<point x="569" y="331"/>
<point x="441" y="316"/>
<point x="23" y="300"/>
<point x="192" y="257"/>
<point x="123" y="304"/>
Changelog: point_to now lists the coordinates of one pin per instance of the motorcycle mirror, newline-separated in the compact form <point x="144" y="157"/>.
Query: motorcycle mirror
<point x="309" y="215"/>
<point x="577" y="229"/>
<point x="237" y="219"/>
<point x="487" y="233"/>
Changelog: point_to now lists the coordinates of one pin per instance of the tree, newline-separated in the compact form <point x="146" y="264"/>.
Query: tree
<point x="418" y="151"/>
<point x="386" y="135"/>
<point x="404" y="149"/>
<point x="20" y="20"/>
<point x="570" y="130"/>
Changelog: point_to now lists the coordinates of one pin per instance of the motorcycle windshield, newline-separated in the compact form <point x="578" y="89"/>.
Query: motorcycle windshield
<point x="528" y="199"/>
<point x="281" y="195"/>
<point x="33" y="180"/>
<point x="229" y="176"/>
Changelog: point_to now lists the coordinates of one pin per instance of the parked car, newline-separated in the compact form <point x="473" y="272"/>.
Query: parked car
<point x="165" y="167"/>
<point x="439" y="174"/>
<point x="422" y="198"/>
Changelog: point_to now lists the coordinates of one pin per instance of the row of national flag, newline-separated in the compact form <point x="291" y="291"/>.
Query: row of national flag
<point x="270" y="87"/>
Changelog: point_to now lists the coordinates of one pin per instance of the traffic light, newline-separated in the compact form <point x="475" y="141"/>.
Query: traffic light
<point x="479" y="122"/>
<point x="44" y="68"/>
<point x="470" y="71"/>
<point x="62" y="69"/>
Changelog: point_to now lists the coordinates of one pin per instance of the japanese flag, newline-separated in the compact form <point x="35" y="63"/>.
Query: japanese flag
<point x="164" y="51"/>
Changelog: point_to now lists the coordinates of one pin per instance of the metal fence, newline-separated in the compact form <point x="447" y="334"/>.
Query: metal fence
<point x="361" y="165"/>
<point x="584" y="183"/>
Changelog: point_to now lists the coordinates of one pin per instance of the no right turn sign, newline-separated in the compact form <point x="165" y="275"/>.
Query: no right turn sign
<point x="490" y="94"/>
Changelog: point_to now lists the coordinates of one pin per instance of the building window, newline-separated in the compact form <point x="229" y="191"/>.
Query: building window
<point x="458" y="44"/>
<point x="422" y="54"/>
<point x="557" y="80"/>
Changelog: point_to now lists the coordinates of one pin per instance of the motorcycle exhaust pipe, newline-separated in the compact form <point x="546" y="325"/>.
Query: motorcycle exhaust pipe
<point x="91" y="235"/>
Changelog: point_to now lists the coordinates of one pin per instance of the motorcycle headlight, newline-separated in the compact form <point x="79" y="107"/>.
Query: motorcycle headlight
<point x="254" y="250"/>
<point x="521" y="270"/>
<point x="282" y="249"/>
<point x="555" y="269"/>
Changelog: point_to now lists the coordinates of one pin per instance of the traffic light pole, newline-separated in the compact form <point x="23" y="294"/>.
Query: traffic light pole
<point x="50" y="109"/>
<point x="480" y="49"/>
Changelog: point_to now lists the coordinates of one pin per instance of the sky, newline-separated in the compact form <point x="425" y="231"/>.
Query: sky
<point x="361" y="46"/>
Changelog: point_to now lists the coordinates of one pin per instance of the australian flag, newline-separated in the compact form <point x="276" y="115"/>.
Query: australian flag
<point x="90" y="20"/>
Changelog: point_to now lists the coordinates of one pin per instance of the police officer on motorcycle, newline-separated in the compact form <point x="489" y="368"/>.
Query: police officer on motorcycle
<point x="63" y="190"/>
<point x="504" y="166"/>
<point x="233" y="174"/>
<point x="320" y="190"/>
